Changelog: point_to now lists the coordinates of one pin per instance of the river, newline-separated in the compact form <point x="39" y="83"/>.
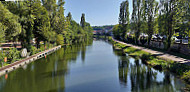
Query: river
<point x="89" y="67"/>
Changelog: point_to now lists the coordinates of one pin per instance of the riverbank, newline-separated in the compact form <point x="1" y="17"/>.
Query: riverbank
<point x="17" y="64"/>
<point x="158" y="60"/>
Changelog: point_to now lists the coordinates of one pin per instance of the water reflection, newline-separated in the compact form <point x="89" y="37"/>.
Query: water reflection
<point x="89" y="67"/>
<point x="44" y="75"/>
<point x="141" y="78"/>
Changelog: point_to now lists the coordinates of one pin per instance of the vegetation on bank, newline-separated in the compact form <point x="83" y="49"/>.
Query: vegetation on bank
<point x="39" y="20"/>
<point x="12" y="54"/>
<point x="165" y="19"/>
<point x="181" y="70"/>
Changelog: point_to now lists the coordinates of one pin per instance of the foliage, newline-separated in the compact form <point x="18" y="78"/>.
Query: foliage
<point x="180" y="69"/>
<point x="42" y="20"/>
<point x="9" y="20"/>
<point x="34" y="50"/>
<point x="151" y="17"/>
<point x="2" y="32"/>
<point x="150" y="11"/>
<point x="186" y="76"/>
<point x="13" y="55"/>
<point x="60" y="40"/>
<point x="124" y="18"/>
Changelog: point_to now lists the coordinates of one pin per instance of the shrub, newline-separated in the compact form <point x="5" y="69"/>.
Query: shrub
<point x="186" y="76"/>
<point x="143" y="40"/>
<point x="13" y="55"/>
<point x="60" y="40"/>
<point x="179" y="68"/>
<point x="34" y="50"/>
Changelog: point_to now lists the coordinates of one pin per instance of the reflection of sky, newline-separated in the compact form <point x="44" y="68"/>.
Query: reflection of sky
<point x="159" y="76"/>
<point x="99" y="72"/>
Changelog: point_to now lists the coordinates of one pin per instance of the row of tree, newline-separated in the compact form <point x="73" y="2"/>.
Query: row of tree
<point x="43" y="20"/>
<point x="164" y="17"/>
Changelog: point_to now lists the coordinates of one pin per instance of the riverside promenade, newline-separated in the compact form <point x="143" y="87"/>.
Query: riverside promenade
<point x="17" y="64"/>
<point x="161" y="55"/>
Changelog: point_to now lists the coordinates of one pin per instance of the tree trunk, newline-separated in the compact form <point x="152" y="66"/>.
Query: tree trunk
<point x="169" y="43"/>
<point x="149" y="39"/>
<point x="38" y="43"/>
<point x="180" y="44"/>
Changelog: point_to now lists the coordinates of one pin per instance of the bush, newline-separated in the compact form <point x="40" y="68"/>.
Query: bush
<point x="42" y="48"/>
<point x="60" y="40"/>
<point x="147" y="57"/>
<point x="13" y="55"/>
<point x="2" y="56"/>
<point x="143" y="40"/>
<point x="155" y="62"/>
<point x="186" y="76"/>
<point x="179" y="68"/>
<point x="34" y="50"/>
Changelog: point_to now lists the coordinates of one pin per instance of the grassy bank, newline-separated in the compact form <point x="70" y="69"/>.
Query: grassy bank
<point x="182" y="70"/>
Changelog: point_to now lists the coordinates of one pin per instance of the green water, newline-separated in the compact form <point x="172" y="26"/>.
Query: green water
<point x="89" y="67"/>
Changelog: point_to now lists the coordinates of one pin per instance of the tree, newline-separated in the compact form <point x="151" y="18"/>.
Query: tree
<point x="11" y="22"/>
<point x="60" y="40"/>
<point x="150" y="12"/>
<point x="124" y="18"/>
<point x="116" y="31"/>
<point x="2" y="32"/>
<point x="41" y="23"/>
<point x="137" y="18"/>
<point x="82" y="22"/>
<point x="168" y="10"/>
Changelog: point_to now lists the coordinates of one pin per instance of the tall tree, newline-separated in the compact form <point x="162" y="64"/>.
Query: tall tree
<point x="150" y="13"/>
<point x="2" y="32"/>
<point x="9" y="20"/>
<point x="168" y="10"/>
<point x="83" y="22"/>
<point x="124" y="18"/>
<point x="137" y="18"/>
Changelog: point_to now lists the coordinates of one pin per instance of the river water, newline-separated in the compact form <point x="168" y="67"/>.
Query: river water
<point x="89" y="67"/>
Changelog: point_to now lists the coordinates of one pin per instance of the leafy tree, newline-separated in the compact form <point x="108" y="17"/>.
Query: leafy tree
<point x="150" y="12"/>
<point x="11" y="22"/>
<point x="41" y="23"/>
<point x="116" y="31"/>
<point x="82" y="22"/>
<point x="60" y="40"/>
<point x="168" y="10"/>
<point x="124" y="18"/>
<point x="2" y="32"/>
<point x="137" y="18"/>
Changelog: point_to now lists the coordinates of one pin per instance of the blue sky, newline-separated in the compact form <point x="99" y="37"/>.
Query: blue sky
<point x="98" y="12"/>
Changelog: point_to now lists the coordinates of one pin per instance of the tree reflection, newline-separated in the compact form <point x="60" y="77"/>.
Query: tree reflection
<point x="46" y="74"/>
<point x="123" y="64"/>
<point x="143" y="78"/>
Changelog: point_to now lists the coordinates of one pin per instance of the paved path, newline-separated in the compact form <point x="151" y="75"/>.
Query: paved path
<point x="162" y="55"/>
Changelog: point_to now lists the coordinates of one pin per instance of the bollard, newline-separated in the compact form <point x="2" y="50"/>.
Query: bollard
<point x="6" y="76"/>
<point x="5" y="59"/>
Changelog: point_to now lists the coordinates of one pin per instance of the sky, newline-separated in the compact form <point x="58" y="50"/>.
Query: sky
<point x="97" y="12"/>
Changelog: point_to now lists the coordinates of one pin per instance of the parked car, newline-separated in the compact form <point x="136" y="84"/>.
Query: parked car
<point x="178" y="38"/>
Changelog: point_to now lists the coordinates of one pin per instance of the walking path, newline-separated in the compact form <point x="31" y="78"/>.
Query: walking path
<point x="161" y="55"/>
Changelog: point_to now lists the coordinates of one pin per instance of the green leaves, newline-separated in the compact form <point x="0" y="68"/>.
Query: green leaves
<point x="42" y="20"/>
<point x="11" y="22"/>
